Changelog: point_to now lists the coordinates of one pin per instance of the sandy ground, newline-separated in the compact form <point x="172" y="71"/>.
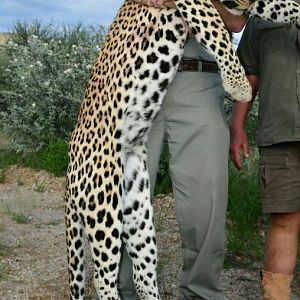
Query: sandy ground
<point x="33" y="251"/>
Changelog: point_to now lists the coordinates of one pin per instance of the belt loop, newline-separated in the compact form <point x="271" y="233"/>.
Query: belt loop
<point x="200" y="65"/>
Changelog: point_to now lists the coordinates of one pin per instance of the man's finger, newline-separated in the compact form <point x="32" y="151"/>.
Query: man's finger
<point x="246" y="150"/>
<point x="235" y="157"/>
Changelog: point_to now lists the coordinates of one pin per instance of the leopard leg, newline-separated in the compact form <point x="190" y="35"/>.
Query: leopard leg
<point x="94" y="208"/>
<point x="138" y="229"/>
<point x="281" y="11"/>
<point x="75" y="252"/>
<point x="103" y="226"/>
<point x="106" y="267"/>
<point x="209" y="30"/>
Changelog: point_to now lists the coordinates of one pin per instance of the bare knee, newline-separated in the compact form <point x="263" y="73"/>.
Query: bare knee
<point x="289" y="222"/>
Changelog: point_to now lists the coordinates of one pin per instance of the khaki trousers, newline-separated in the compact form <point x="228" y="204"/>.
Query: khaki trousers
<point x="192" y="122"/>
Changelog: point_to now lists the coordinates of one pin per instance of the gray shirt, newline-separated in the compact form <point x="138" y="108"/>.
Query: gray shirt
<point x="272" y="51"/>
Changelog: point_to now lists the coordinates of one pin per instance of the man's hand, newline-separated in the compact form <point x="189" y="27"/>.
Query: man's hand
<point x="239" y="147"/>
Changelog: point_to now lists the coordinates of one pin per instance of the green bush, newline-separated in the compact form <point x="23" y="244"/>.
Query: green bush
<point x="44" y="81"/>
<point x="23" y="31"/>
<point x="3" y="64"/>
<point x="53" y="158"/>
<point x="8" y="158"/>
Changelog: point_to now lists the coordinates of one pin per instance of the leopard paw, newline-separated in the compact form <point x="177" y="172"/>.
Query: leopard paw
<point x="239" y="90"/>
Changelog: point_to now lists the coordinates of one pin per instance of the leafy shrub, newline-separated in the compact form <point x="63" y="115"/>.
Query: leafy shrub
<point x="8" y="158"/>
<point x="3" y="64"/>
<point x="23" y="31"/>
<point x="53" y="158"/>
<point x="68" y="34"/>
<point x="43" y="83"/>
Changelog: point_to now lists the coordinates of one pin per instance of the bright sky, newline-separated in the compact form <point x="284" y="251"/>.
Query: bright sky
<point x="95" y="12"/>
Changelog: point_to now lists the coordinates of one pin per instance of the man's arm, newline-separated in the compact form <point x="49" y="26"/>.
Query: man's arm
<point x="238" y="136"/>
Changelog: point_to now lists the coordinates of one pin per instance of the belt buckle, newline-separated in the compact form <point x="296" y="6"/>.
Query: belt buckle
<point x="189" y="65"/>
<point x="196" y="65"/>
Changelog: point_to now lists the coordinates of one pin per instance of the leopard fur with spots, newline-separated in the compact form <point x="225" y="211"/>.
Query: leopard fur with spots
<point x="108" y="196"/>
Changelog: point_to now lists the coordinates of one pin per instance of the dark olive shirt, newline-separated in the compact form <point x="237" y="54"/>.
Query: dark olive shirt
<point x="272" y="52"/>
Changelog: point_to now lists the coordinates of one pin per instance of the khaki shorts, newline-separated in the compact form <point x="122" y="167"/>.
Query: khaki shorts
<point x="279" y="177"/>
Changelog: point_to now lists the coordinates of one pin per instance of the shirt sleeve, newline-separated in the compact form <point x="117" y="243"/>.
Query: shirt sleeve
<point x="247" y="50"/>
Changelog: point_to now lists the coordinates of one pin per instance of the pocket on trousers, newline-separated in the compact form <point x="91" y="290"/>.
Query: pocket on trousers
<point x="274" y="177"/>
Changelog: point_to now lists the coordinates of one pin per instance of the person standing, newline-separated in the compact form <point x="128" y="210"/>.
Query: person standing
<point x="193" y="123"/>
<point x="270" y="54"/>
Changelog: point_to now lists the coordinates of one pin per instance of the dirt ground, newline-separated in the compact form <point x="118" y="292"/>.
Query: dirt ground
<point x="33" y="251"/>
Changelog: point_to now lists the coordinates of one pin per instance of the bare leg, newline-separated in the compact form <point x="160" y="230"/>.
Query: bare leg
<point x="282" y="242"/>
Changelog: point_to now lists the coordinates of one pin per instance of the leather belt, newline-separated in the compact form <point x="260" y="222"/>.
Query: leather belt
<point x="196" y="65"/>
